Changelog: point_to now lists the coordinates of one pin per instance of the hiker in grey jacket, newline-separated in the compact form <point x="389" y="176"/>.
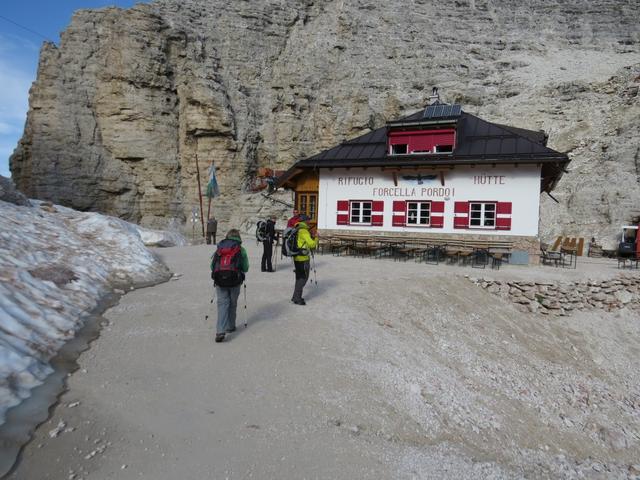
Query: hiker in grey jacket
<point x="212" y="229"/>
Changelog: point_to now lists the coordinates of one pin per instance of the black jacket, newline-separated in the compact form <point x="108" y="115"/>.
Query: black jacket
<point x="271" y="231"/>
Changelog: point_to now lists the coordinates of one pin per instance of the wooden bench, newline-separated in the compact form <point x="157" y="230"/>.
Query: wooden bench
<point x="405" y="247"/>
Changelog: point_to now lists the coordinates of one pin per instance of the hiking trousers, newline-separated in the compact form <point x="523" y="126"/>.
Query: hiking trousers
<point x="302" y="275"/>
<point x="227" y="306"/>
<point x="266" y="256"/>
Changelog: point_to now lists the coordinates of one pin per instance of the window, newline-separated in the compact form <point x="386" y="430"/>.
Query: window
<point x="400" y="149"/>
<point x="307" y="204"/>
<point x="444" y="148"/>
<point x="482" y="215"/>
<point x="488" y="214"/>
<point x="418" y="213"/>
<point x="421" y="142"/>
<point x="360" y="213"/>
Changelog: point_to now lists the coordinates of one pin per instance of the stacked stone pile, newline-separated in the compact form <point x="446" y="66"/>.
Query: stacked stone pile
<point x="562" y="298"/>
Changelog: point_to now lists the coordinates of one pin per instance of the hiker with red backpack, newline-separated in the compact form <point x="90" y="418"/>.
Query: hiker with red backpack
<point x="228" y="267"/>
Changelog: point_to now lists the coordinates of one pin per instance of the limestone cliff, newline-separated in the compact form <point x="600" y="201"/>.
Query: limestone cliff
<point x="125" y="104"/>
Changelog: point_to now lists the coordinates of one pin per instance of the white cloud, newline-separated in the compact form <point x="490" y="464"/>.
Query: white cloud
<point x="16" y="77"/>
<point x="14" y="92"/>
<point x="14" y="43"/>
<point x="7" y="128"/>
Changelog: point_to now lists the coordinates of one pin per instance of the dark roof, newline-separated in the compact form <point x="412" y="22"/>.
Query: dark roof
<point x="538" y="137"/>
<point x="477" y="142"/>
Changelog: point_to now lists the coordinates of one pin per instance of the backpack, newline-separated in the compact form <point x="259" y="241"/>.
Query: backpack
<point x="290" y="243"/>
<point x="225" y="265"/>
<point x="261" y="231"/>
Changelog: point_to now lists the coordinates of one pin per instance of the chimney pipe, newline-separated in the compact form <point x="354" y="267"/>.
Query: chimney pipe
<point x="434" y="99"/>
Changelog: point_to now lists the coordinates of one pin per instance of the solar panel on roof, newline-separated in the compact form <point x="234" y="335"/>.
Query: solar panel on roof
<point x="442" y="111"/>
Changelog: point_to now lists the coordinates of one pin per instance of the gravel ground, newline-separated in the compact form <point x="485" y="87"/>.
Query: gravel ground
<point x="392" y="370"/>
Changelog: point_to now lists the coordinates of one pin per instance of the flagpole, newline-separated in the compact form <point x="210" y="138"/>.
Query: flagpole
<point x="199" y="191"/>
<point x="209" y="205"/>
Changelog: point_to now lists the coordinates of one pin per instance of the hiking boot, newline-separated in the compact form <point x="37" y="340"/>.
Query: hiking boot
<point x="300" y="302"/>
<point x="231" y="330"/>
<point x="219" y="337"/>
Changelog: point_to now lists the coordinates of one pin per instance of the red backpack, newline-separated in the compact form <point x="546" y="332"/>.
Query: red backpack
<point x="226" y="268"/>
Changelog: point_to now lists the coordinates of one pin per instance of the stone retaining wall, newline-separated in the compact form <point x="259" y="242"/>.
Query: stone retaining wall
<point x="562" y="298"/>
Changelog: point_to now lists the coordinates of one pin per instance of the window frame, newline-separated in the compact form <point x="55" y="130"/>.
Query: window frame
<point x="393" y="147"/>
<point x="361" y="210"/>
<point x="419" y="210"/>
<point x="483" y="212"/>
<point x="307" y="210"/>
<point x="447" y="146"/>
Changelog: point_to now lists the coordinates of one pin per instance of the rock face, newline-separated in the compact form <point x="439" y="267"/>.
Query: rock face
<point x="8" y="193"/>
<point x="128" y="101"/>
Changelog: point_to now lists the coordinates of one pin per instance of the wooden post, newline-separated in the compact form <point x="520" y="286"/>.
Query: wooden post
<point x="199" y="191"/>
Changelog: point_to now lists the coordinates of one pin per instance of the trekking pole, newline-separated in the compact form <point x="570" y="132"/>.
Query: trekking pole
<point x="313" y="261"/>
<point x="245" y="305"/>
<point x="213" y="298"/>
<point x="275" y="257"/>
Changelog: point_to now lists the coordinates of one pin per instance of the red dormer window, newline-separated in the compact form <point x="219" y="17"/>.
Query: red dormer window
<point x="422" y="141"/>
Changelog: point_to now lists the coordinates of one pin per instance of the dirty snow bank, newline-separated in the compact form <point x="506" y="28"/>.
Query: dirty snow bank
<point x="161" y="238"/>
<point x="56" y="265"/>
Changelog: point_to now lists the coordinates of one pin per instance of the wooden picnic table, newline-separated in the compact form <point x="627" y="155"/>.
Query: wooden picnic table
<point x="429" y="249"/>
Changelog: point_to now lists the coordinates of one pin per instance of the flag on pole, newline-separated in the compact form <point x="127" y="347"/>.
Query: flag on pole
<point x="212" y="187"/>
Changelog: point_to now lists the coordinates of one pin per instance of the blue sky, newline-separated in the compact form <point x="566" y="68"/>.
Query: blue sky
<point x="19" y="49"/>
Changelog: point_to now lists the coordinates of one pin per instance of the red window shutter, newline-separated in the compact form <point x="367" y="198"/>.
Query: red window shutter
<point x="423" y="140"/>
<point x="399" y="213"/>
<point x="503" y="216"/>
<point x="343" y="212"/>
<point x="377" y="210"/>
<point x="437" y="214"/>
<point x="461" y="215"/>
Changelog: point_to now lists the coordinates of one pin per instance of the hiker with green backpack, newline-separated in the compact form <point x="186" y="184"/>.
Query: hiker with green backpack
<point x="304" y="243"/>
<point x="228" y="267"/>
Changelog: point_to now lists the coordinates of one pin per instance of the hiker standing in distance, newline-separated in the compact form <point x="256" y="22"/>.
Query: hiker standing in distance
<point x="293" y="220"/>
<point x="229" y="265"/>
<point x="301" y="262"/>
<point x="267" y="243"/>
<point x="212" y="229"/>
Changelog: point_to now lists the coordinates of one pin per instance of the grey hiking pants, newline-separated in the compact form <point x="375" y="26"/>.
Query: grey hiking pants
<point x="302" y="275"/>
<point x="227" y="305"/>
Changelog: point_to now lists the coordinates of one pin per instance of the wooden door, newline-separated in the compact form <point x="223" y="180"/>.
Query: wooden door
<point x="307" y="204"/>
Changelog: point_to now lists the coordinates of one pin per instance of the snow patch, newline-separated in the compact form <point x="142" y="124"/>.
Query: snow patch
<point x="161" y="238"/>
<point x="56" y="265"/>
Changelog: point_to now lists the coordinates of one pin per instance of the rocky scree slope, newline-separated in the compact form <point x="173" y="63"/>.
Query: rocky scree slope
<point x="128" y="101"/>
